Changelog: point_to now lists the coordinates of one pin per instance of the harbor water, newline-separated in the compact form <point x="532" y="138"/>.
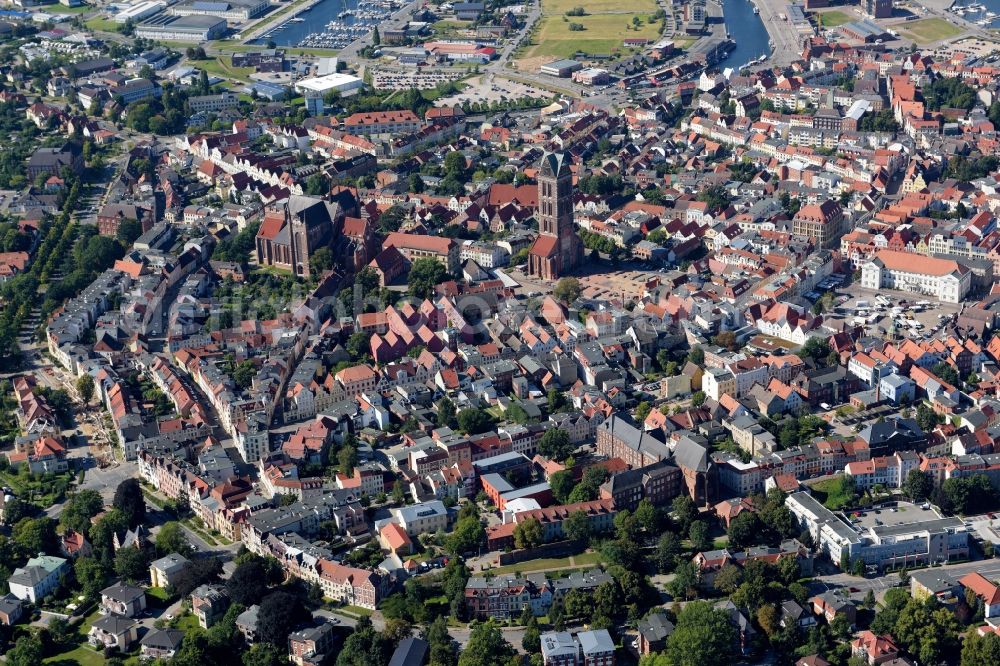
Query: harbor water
<point x="331" y="23"/>
<point x="984" y="13"/>
<point x="748" y="31"/>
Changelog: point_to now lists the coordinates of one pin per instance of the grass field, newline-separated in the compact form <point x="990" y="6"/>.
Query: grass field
<point x="222" y="66"/>
<point x="581" y="561"/>
<point x="62" y="9"/>
<point x="559" y="7"/>
<point x="102" y="24"/>
<point x="829" y="493"/>
<point x="602" y="33"/>
<point x="83" y="654"/>
<point x="929" y="30"/>
<point x="834" y="18"/>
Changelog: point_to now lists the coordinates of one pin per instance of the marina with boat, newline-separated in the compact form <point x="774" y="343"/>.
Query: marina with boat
<point x="340" y="22"/>
<point x="983" y="14"/>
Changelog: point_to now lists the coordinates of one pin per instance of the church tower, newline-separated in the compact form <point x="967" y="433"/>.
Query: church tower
<point x="558" y="249"/>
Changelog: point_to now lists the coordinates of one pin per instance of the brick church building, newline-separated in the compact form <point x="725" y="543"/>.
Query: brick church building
<point x="293" y="229"/>
<point x="558" y="249"/>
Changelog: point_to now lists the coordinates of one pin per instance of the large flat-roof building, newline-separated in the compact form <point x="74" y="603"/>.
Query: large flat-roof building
<point x="925" y="538"/>
<point x="181" y="28"/>
<point x="561" y="68"/>
<point x="139" y="10"/>
<point x="234" y="11"/>
<point x="341" y="83"/>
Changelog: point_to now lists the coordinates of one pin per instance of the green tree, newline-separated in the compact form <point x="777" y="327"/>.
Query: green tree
<point x="27" y="651"/>
<point x="486" y="646"/>
<point x="321" y="260"/>
<point x="358" y="345"/>
<point x="577" y="526"/>
<point x="946" y="372"/>
<point x="467" y="535"/>
<point x="647" y="516"/>
<point x="927" y="630"/>
<point x="685" y="582"/>
<point x="892" y="604"/>
<point x="685" y="512"/>
<point x="90" y="576"/>
<point x="562" y="484"/>
<point x="528" y="533"/>
<point x="698" y="534"/>
<point x="85" y="387"/>
<point x="171" y="539"/>
<point x="425" y="274"/>
<point x="446" y="415"/>
<point x="103" y="532"/>
<point x="36" y="535"/>
<point x="128" y="231"/>
<point x="918" y="485"/>
<point x="531" y="642"/>
<point x="567" y="290"/>
<point x="555" y="444"/>
<point x="131" y="564"/>
<point x="442" y="647"/>
<point x="978" y="650"/>
<point x="248" y="582"/>
<point x="668" y="548"/>
<point x="265" y="654"/>
<point x="79" y="509"/>
<point x="280" y="612"/>
<point x="129" y="500"/>
<point x="745" y="530"/>
<point x="472" y="421"/>
<point x="703" y="635"/>
<point x="347" y="458"/>
<point x="364" y="647"/>
<point x="728" y="580"/>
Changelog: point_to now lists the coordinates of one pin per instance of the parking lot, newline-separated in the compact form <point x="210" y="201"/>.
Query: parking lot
<point x="898" y="513"/>
<point x="488" y="88"/>
<point x="881" y="312"/>
<point x="867" y="415"/>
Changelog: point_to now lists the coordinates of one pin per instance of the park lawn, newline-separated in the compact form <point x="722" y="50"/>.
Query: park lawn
<point x="603" y="33"/>
<point x="83" y="655"/>
<point x="582" y="561"/>
<point x="559" y="7"/>
<point x="223" y="67"/>
<point x="588" y="558"/>
<point x="931" y="30"/>
<point x="834" y="18"/>
<point x="827" y="493"/>
<point x="357" y="611"/>
<point x="450" y="25"/>
<point x="61" y="9"/>
<point x="102" y="24"/>
<point x="187" y="623"/>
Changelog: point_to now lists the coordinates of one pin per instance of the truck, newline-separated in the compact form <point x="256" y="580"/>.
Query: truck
<point x="782" y="17"/>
